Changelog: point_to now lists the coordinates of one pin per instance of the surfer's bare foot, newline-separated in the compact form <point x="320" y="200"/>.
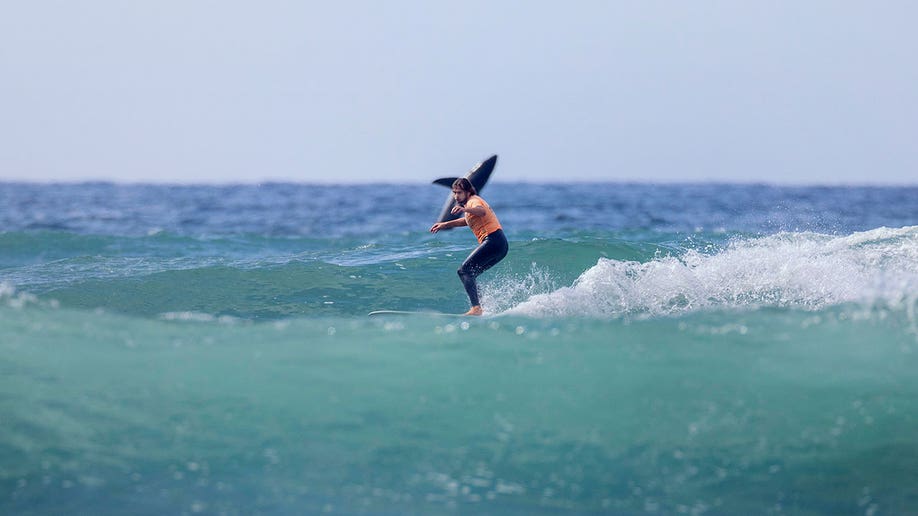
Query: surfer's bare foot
<point x="475" y="310"/>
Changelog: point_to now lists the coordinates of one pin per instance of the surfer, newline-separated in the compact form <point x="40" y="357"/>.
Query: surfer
<point x="492" y="244"/>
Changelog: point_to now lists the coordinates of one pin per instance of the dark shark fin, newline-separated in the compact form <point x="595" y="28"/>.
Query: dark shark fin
<point x="446" y="181"/>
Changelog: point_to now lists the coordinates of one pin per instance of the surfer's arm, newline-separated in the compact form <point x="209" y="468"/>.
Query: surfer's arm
<point x="472" y="207"/>
<point x="449" y="224"/>
<point x="477" y="211"/>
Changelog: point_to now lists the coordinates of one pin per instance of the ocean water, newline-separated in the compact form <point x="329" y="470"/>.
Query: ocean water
<point x="661" y="349"/>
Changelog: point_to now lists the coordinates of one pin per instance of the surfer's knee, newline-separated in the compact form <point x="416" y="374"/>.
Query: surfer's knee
<point x="468" y="272"/>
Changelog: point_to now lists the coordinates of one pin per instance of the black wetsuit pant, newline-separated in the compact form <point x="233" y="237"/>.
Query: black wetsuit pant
<point x="485" y="256"/>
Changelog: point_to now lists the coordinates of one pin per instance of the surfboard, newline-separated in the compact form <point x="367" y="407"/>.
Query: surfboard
<point x="478" y="176"/>
<point x="375" y="313"/>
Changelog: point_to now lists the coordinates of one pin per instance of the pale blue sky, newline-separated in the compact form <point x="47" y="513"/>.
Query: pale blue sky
<point x="406" y="91"/>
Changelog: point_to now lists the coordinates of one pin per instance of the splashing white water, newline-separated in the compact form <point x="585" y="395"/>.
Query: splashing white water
<point x="504" y="292"/>
<point x="794" y="270"/>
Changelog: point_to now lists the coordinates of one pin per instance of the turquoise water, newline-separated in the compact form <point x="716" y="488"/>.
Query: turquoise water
<point x="687" y="349"/>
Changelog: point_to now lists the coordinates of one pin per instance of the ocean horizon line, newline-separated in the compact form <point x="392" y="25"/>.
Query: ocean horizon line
<point x="356" y="183"/>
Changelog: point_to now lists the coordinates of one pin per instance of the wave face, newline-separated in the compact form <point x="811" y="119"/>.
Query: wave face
<point x="592" y="275"/>
<point x="695" y="349"/>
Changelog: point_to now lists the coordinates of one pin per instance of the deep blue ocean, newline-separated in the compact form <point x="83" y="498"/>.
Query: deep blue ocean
<point x="662" y="349"/>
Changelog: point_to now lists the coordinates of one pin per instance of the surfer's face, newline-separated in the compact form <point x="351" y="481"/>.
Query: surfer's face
<point x="461" y="196"/>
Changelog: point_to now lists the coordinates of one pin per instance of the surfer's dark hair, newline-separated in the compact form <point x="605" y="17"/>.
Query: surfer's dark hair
<point x="465" y="185"/>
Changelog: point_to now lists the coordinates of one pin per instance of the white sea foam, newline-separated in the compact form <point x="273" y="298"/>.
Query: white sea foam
<point x="504" y="292"/>
<point x="13" y="298"/>
<point x="197" y="317"/>
<point x="795" y="270"/>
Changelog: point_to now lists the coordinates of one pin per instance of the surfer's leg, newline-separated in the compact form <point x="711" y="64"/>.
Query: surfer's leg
<point x="495" y="251"/>
<point x="485" y="256"/>
<point x="467" y="274"/>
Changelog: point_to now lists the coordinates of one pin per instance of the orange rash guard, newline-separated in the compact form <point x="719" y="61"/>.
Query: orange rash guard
<point x="484" y="225"/>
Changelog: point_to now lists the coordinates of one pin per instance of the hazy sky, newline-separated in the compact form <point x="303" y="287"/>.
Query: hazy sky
<point x="350" y="91"/>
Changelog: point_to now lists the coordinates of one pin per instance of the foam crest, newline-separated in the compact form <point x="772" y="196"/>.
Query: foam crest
<point x="794" y="270"/>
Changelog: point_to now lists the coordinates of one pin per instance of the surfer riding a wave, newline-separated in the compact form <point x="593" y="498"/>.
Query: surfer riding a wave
<point x="492" y="244"/>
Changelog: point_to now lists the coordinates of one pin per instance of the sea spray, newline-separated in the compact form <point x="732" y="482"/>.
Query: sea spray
<point x="793" y="270"/>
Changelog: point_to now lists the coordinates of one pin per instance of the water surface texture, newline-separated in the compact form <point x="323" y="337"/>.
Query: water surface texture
<point x="669" y="349"/>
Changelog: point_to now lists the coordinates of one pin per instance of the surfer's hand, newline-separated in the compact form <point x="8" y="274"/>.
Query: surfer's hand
<point x="436" y="227"/>
<point x="456" y="210"/>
